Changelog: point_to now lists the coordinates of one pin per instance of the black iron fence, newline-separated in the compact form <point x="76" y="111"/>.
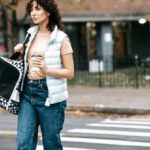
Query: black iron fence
<point x="113" y="72"/>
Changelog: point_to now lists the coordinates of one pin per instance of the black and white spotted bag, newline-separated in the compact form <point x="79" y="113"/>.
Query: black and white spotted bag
<point x="11" y="75"/>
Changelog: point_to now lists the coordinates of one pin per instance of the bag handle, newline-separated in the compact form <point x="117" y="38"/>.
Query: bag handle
<point x="17" y="54"/>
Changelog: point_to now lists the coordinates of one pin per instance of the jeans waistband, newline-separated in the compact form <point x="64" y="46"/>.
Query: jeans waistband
<point x="35" y="82"/>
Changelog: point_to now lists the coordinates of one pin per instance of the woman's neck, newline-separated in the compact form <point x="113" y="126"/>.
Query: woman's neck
<point x="43" y="31"/>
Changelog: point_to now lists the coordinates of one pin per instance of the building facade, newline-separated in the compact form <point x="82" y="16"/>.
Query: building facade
<point x="102" y="30"/>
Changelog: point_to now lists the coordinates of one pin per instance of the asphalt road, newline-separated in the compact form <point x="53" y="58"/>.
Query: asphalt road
<point x="88" y="133"/>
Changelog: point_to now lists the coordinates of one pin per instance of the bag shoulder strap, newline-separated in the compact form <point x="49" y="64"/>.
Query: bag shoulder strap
<point x="17" y="54"/>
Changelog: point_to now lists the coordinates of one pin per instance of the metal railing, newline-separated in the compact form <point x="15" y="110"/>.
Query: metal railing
<point x="113" y="72"/>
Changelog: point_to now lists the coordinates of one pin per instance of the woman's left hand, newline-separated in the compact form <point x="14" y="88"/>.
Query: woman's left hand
<point x="40" y="63"/>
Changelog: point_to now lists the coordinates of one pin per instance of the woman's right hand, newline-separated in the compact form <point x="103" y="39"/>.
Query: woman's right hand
<point x="19" y="48"/>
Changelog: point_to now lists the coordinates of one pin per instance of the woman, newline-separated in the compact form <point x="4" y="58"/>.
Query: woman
<point x="49" y="62"/>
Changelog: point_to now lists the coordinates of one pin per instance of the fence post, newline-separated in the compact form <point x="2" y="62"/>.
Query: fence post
<point x="136" y="72"/>
<point x="99" y="73"/>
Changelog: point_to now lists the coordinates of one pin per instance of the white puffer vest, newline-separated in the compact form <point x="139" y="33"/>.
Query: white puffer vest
<point x="57" y="87"/>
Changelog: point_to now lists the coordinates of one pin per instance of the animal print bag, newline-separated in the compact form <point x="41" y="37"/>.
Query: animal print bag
<point x="11" y="74"/>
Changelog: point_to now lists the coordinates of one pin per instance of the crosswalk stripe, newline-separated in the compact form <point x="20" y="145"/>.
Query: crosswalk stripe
<point x="106" y="141"/>
<point x="125" y="122"/>
<point x="40" y="147"/>
<point x="7" y="132"/>
<point x="70" y="148"/>
<point x="110" y="132"/>
<point x="118" y="126"/>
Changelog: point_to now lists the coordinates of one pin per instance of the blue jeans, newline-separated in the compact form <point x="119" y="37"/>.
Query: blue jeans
<point x="33" y="112"/>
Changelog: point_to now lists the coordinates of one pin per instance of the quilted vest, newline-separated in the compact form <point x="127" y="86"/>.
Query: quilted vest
<point x="57" y="87"/>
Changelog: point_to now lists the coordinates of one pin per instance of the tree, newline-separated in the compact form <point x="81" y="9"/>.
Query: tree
<point x="3" y="28"/>
<point x="9" y="24"/>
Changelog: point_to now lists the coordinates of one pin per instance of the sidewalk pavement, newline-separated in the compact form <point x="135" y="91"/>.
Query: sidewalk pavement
<point x="109" y="100"/>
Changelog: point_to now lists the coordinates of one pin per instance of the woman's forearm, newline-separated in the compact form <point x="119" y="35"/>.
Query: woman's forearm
<point x="60" y="73"/>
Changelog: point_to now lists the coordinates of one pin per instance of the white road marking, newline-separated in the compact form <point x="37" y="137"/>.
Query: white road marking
<point x="111" y="132"/>
<point x="119" y="126"/>
<point x="106" y="141"/>
<point x="11" y="132"/>
<point x="7" y="132"/>
<point x="40" y="147"/>
<point x="126" y="122"/>
<point x="70" y="148"/>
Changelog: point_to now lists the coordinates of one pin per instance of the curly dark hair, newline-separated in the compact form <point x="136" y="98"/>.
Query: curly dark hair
<point x="51" y="7"/>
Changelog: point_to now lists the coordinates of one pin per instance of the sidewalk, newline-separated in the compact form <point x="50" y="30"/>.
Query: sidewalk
<point x="112" y="100"/>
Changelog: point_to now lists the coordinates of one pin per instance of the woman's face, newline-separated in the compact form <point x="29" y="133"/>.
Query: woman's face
<point x="38" y="14"/>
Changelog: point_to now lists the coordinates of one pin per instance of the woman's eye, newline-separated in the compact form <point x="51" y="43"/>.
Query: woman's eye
<point x="37" y="8"/>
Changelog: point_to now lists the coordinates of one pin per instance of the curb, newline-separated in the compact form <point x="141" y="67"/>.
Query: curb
<point x="110" y="110"/>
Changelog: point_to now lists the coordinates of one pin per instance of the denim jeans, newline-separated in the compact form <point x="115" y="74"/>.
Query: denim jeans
<point x="33" y="112"/>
